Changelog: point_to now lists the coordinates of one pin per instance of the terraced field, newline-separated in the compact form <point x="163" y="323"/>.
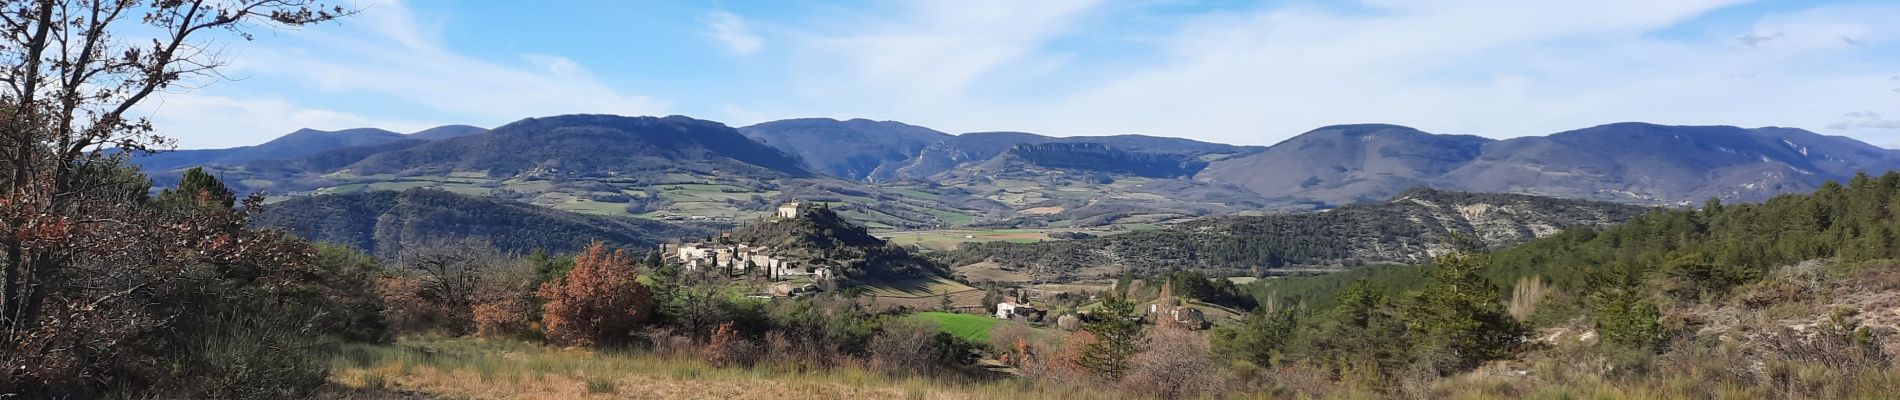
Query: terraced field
<point x="922" y="293"/>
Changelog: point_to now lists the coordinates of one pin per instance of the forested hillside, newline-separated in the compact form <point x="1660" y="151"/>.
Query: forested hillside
<point x="589" y="145"/>
<point x="1108" y="160"/>
<point x="382" y="222"/>
<point x="1407" y="229"/>
<point x="1710" y="249"/>
<point x="1798" y="291"/>
<point x="1722" y="245"/>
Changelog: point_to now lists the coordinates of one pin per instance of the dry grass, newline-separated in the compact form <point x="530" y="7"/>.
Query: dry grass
<point x="497" y="369"/>
<point x="1525" y="295"/>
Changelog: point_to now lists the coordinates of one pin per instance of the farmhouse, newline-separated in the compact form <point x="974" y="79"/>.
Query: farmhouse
<point x="1012" y="310"/>
<point x="1168" y="312"/>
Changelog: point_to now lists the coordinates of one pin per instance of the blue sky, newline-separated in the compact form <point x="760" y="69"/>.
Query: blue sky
<point x="1226" y="71"/>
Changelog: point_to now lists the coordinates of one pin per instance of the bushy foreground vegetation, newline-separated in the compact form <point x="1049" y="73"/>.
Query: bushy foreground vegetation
<point x="1779" y="299"/>
<point x="105" y="289"/>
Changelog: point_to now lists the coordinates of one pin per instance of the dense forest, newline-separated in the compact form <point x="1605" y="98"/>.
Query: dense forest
<point x="1101" y="158"/>
<point x="1401" y="230"/>
<point x="382" y="222"/>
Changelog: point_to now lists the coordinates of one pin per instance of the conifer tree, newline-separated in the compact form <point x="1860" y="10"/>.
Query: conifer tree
<point x="198" y="189"/>
<point x="1118" y="335"/>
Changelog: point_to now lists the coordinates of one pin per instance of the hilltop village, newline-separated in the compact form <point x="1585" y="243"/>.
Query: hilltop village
<point x="784" y="274"/>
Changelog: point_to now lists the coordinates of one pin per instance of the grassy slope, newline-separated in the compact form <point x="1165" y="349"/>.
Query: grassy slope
<point x="972" y="327"/>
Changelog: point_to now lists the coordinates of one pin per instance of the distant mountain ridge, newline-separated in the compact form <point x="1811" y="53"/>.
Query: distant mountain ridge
<point x="299" y="144"/>
<point x="382" y="222"/>
<point x="1345" y="164"/>
<point x="851" y="149"/>
<point x="907" y="176"/>
<point x="587" y="144"/>
<point x="1625" y="162"/>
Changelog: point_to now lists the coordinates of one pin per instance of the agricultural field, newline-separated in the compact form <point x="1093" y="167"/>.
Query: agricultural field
<point x="921" y="293"/>
<point x="973" y="327"/>
<point x="991" y="271"/>
<point x="949" y="239"/>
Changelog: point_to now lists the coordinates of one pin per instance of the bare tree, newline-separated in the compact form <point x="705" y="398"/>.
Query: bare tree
<point x="1173" y="364"/>
<point x="69" y="86"/>
<point x="449" y="273"/>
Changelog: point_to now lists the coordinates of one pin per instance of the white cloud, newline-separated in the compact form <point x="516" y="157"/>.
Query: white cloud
<point x="935" y="49"/>
<point x="1865" y="120"/>
<point x="386" y="53"/>
<point x="731" y="29"/>
<point x="1491" y="67"/>
<point x="200" y="121"/>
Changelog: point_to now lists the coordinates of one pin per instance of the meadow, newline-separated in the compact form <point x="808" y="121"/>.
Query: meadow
<point x="972" y="327"/>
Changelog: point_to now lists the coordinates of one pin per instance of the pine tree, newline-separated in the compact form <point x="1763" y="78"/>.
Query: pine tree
<point x="1462" y="316"/>
<point x="1118" y="335"/>
<point x="198" y="189"/>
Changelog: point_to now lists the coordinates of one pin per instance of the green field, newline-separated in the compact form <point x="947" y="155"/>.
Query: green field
<point x="972" y="327"/>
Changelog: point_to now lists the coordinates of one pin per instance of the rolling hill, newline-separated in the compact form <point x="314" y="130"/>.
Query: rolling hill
<point x="299" y="144"/>
<point x="1346" y="164"/>
<point x="382" y="222"/>
<point x="588" y="145"/>
<point x="851" y="149"/>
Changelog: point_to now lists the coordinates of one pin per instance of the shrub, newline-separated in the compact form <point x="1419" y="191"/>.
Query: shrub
<point x="1173" y="364"/>
<point x="727" y="348"/>
<point x="1011" y="341"/>
<point x="600" y="302"/>
<point x="506" y="304"/>
<point x="349" y="282"/>
<point x="1625" y="319"/>
<point x="906" y="346"/>
<point x="438" y="283"/>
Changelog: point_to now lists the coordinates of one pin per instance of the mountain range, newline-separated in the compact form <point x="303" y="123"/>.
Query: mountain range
<point x="895" y="175"/>
<point x="1625" y="162"/>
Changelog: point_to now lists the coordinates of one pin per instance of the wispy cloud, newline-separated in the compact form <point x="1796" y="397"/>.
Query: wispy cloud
<point x="1497" y="68"/>
<point x="403" y="59"/>
<point x="932" y="49"/>
<point x="731" y="29"/>
<point x="390" y="55"/>
<point x="1865" y="120"/>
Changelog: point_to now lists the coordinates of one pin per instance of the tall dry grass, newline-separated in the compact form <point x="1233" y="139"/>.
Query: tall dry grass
<point x="1525" y="295"/>
<point x="507" y="369"/>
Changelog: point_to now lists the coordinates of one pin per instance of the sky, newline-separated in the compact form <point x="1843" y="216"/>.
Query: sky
<point x="1240" y="72"/>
